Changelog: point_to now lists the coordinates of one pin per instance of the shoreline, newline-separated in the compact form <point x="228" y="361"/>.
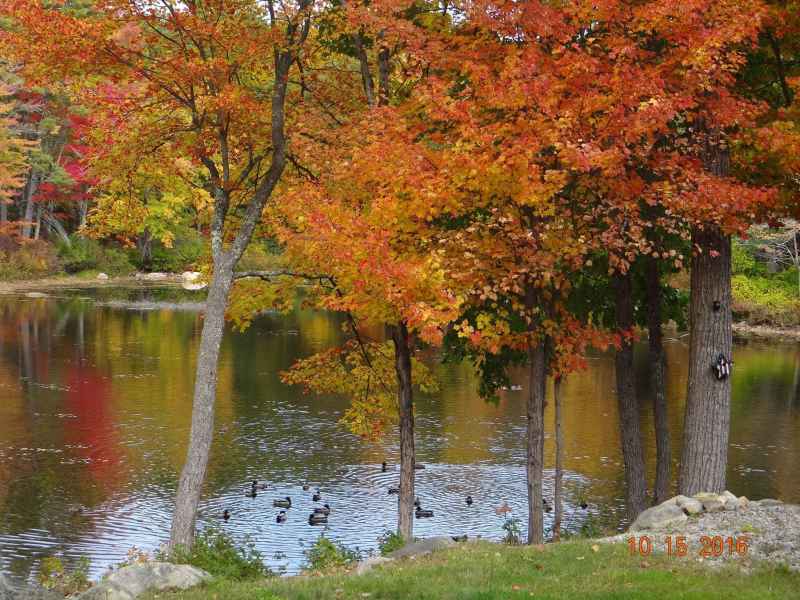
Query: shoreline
<point x="741" y="330"/>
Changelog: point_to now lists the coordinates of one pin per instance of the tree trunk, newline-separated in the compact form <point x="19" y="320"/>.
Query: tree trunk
<point x="630" y="433"/>
<point x="27" y="216"/>
<point x="205" y="391"/>
<point x="559" y="482"/>
<point x="535" y="450"/>
<point x="707" y="419"/>
<point x="405" y="404"/>
<point x="658" y="381"/>
<point x="37" y="229"/>
<point x="3" y="211"/>
<point x="144" y="244"/>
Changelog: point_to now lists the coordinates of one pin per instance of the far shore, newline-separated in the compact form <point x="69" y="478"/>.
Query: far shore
<point x="741" y="330"/>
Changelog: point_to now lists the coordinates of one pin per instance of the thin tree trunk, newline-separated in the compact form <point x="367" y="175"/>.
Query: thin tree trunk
<point x="658" y="381"/>
<point x="366" y="74"/>
<point x="205" y="390"/>
<point x="405" y="403"/>
<point x="535" y="449"/>
<point x="3" y="211"/>
<point x="708" y="401"/>
<point x="559" y="480"/>
<point x="27" y="217"/>
<point x="383" y="76"/>
<point x="37" y="229"/>
<point x="630" y="433"/>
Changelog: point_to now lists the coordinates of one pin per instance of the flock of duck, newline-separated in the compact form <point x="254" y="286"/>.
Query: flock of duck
<point x="319" y="516"/>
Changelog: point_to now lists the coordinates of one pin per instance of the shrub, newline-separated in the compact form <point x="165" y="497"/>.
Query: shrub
<point x="325" y="554"/>
<point x="389" y="542"/>
<point x="257" y="258"/>
<point x="216" y="552"/>
<point x="513" y="531"/>
<point x="83" y="254"/>
<point x="187" y="250"/>
<point x="53" y="576"/>
<point x="29" y="260"/>
<point x="766" y="299"/>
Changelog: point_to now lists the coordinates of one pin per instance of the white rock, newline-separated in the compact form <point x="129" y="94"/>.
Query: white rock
<point x="667" y="514"/>
<point x="155" y="276"/>
<point x="422" y="547"/>
<point x="129" y="582"/>
<point x="690" y="506"/>
<point x="190" y="276"/>
<point x="102" y="276"/>
<point x="371" y="563"/>
<point x="36" y="295"/>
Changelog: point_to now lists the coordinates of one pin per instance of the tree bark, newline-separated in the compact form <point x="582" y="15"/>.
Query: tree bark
<point x="559" y="480"/>
<point x="658" y="381"/>
<point x="3" y="211"/>
<point x="708" y="401"/>
<point x="366" y="74"/>
<point x="630" y="432"/>
<point x="535" y="451"/>
<point x="27" y="216"/>
<point x="205" y="390"/>
<point x="405" y="404"/>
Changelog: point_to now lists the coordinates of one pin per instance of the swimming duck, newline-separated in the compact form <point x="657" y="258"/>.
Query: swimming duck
<point x="317" y="496"/>
<point x="226" y="515"/>
<point x="459" y="538"/>
<point x="305" y="488"/>
<point x="423" y="514"/>
<point x="317" y="519"/>
<point x="394" y="490"/>
<point x="547" y="507"/>
<point x="287" y="503"/>
<point x="251" y="493"/>
<point x="419" y="466"/>
<point x="469" y="500"/>
<point x="584" y="506"/>
<point x="322" y="510"/>
<point x="258" y="486"/>
<point x="417" y="503"/>
<point x="281" y="518"/>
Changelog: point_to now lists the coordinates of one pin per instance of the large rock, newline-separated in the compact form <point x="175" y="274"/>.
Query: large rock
<point x="190" y="280"/>
<point x="422" y="547"/>
<point x="8" y="591"/>
<point x="102" y="276"/>
<point x="129" y="582"/>
<point x="156" y="276"/>
<point x="667" y="514"/>
<point x="372" y="562"/>
<point x="690" y="506"/>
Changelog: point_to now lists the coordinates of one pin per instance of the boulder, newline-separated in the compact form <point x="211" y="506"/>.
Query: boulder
<point x="371" y="563"/>
<point x="131" y="581"/>
<point x="767" y="502"/>
<point x="35" y="295"/>
<point x="712" y="506"/>
<point x="667" y="514"/>
<point x="422" y="547"/>
<point x="8" y="591"/>
<point x="690" y="506"/>
<point x="709" y="496"/>
<point x="102" y="276"/>
<point x="155" y="276"/>
<point x="190" y="280"/>
<point x="190" y="276"/>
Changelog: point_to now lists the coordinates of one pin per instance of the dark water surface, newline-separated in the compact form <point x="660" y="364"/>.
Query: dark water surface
<point x="95" y="401"/>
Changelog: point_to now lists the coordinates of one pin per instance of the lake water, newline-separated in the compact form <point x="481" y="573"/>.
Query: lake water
<point x="95" y="401"/>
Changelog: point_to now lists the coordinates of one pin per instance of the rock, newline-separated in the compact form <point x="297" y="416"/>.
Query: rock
<point x="8" y="591"/>
<point x="35" y="295"/>
<point x="711" y="506"/>
<point x="664" y="515"/>
<point x="371" y="563"/>
<point x="129" y="582"/>
<point x="102" y="276"/>
<point x="190" y="276"/>
<point x="767" y="502"/>
<point x="422" y="547"/>
<point x="690" y="506"/>
<point x="708" y="496"/>
<point x="155" y="276"/>
<point x="743" y="501"/>
<point x="190" y="280"/>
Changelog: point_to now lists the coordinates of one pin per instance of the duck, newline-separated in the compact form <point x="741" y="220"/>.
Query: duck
<point x="305" y="487"/>
<point x="417" y="503"/>
<point x="422" y="513"/>
<point x="226" y="515"/>
<point x="419" y="466"/>
<point x="383" y="467"/>
<point x="258" y="486"/>
<point x="317" y="519"/>
<point x="281" y="518"/>
<point x="584" y="505"/>
<point x="251" y="493"/>
<point x="287" y="503"/>
<point x="547" y="507"/>
<point x="317" y="496"/>
<point x="322" y="510"/>
<point x="469" y="500"/>
<point x="459" y="538"/>
<point x="394" y="490"/>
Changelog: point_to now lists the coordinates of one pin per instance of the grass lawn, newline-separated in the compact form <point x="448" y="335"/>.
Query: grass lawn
<point x="485" y="572"/>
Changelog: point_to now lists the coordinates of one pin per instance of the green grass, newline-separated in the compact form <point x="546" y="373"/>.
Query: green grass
<point x="486" y="572"/>
<point x="772" y="299"/>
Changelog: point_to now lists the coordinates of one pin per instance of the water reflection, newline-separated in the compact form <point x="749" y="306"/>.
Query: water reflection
<point x="95" y="397"/>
